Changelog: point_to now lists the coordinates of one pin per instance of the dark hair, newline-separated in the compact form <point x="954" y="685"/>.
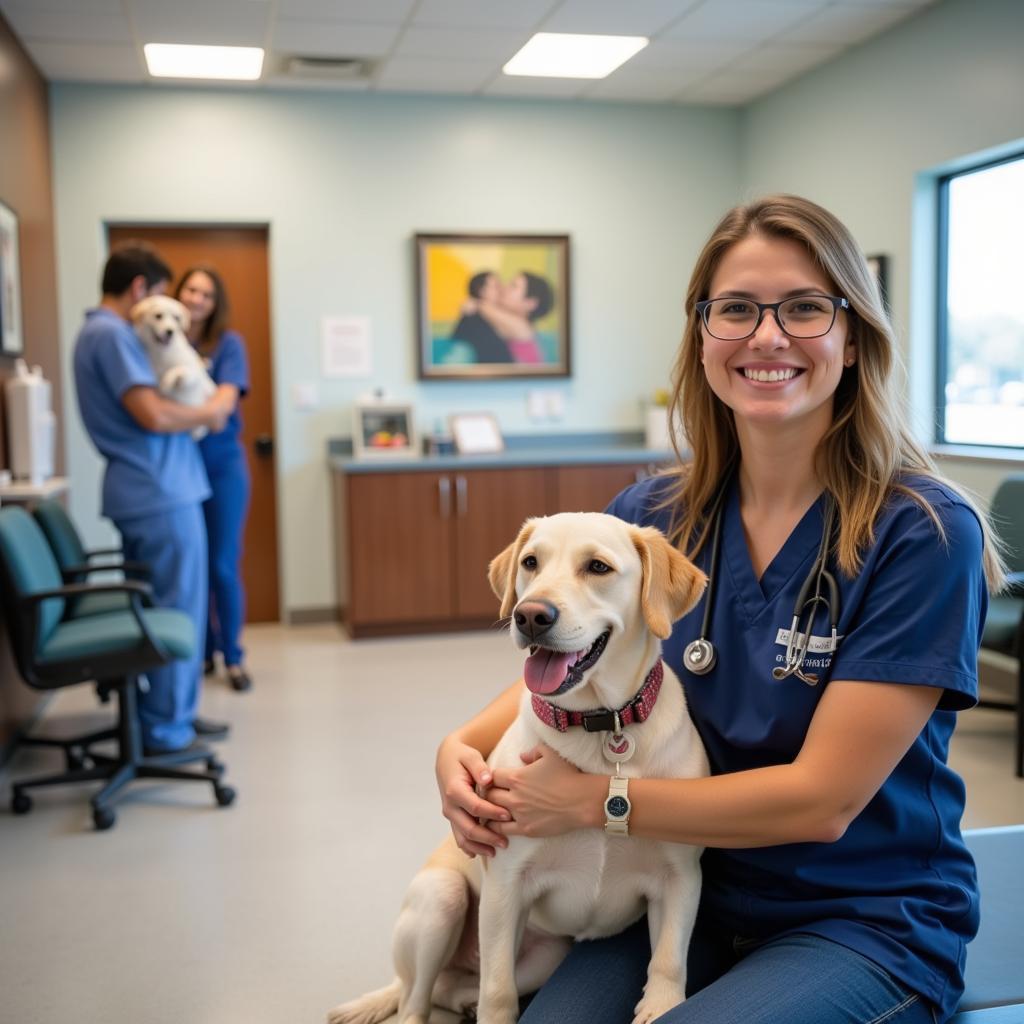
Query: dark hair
<point x="130" y="260"/>
<point x="218" y="319"/>
<point x="477" y="282"/>
<point x="540" y="289"/>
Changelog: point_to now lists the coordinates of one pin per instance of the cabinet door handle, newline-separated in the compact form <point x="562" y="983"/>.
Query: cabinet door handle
<point x="461" y="499"/>
<point x="444" y="494"/>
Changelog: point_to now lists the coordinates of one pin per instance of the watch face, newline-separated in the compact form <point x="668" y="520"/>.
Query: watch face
<point x="617" y="807"/>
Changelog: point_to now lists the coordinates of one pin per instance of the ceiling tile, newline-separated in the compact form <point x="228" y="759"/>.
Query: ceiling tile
<point x="522" y="14"/>
<point x="666" y="54"/>
<point x="517" y="85"/>
<point x="734" y="87"/>
<point x="613" y="17"/>
<point x="740" y="19"/>
<point x="85" y="6"/>
<point x="374" y="12"/>
<point x="84" y="62"/>
<point x="332" y="38"/>
<point x="847" y="24"/>
<point x="643" y="85"/>
<point x="429" y="75"/>
<point x="224" y="23"/>
<point x="78" y="25"/>
<point x="778" y="57"/>
<point x="461" y="43"/>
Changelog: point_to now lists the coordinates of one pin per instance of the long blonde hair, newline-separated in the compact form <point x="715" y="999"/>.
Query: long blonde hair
<point x="866" y="451"/>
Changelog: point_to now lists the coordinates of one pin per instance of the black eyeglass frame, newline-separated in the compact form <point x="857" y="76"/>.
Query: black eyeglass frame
<point x="838" y="303"/>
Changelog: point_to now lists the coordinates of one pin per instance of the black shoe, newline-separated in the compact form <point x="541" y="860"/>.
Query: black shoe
<point x="195" y="745"/>
<point x="239" y="679"/>
<point x="209" y="667"/>
<point x="210" y="730"/>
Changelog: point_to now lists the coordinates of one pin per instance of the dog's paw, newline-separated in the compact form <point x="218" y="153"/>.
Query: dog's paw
<point x="659" y="997"/>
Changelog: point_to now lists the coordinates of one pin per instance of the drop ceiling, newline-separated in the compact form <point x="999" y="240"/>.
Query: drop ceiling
<point x="725" y="52"/>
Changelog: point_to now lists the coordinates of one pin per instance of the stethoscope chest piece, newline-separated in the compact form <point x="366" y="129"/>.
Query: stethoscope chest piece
<point x="700" y="656"/>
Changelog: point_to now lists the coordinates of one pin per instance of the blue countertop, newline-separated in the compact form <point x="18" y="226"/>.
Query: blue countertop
<point x="607" y="448"/>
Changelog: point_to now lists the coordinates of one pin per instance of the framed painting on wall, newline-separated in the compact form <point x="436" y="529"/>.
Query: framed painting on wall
<point x="492" y="306"/>
<point x="10" y="284"/>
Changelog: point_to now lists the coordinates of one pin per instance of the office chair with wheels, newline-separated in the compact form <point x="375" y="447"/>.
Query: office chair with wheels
<point x="1002" y="640"/>
<point x="116" y="647"/>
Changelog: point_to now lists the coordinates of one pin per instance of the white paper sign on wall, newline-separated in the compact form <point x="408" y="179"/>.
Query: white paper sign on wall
<point x="346" y="346"/>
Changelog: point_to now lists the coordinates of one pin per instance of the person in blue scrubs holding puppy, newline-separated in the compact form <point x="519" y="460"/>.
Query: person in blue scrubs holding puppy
<point x="836" y="886"/>
<point x="154" y="481"/>
<point x="202" y="291"/>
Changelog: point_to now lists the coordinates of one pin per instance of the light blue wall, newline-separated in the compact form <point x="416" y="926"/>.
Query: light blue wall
<point x="344" y="182"/>
<point x="866" y="134"/>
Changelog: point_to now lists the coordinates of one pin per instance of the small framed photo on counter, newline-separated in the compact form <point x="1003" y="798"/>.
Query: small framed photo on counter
<point x="476" y="433"/>
<point x="384" y="430"/>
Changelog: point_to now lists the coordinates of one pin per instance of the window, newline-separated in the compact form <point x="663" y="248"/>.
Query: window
<point x="980" y="392"/>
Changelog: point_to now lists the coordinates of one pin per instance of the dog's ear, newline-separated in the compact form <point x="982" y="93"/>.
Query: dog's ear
<point x="672" y="584"/>
<point x="140" y="310"/>
<point x="501" y="573"/>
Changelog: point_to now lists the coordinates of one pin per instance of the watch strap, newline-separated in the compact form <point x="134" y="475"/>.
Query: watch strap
<point x="618" y="790"/>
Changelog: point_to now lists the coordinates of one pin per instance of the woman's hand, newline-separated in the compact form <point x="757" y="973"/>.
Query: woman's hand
<point x="460" y="768"/>
<point x="548" y="796"/>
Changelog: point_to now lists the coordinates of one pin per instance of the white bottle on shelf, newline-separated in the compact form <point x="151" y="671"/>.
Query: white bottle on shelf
<point x="31" y="424"/>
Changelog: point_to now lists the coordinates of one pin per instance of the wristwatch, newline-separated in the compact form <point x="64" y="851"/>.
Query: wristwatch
<point x="617" y="807"/>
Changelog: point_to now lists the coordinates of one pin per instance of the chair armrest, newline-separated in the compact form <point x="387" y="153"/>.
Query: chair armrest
<point x="105" y="551"/>
<point x="72" y="572"/>
<point x="135" y="588"/>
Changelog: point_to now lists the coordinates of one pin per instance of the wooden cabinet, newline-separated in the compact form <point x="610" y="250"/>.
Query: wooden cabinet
<point x="414" y="545"/>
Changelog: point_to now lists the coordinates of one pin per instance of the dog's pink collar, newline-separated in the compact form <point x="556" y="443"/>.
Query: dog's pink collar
<point x="603" y="720"/>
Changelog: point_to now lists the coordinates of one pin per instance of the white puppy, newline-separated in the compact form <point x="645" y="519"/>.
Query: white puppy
<point x="591" y="597"/>
<point x="160" y="323"/>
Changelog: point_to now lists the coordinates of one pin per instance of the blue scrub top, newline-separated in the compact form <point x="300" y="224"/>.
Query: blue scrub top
<point x="146" y="472"/>
<point x="227" y="364"/>
<point x="899" y="887"/>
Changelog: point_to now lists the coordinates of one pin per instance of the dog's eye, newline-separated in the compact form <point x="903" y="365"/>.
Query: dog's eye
<point x="598" y="567"/>
<point x="529" y="562"/>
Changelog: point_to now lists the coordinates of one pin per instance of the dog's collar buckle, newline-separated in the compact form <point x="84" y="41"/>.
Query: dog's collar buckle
<point x="604" y="719"/>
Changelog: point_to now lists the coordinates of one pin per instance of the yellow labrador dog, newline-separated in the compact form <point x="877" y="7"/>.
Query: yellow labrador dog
<point x="591" y="598"/>
<point x="160" y="323"/>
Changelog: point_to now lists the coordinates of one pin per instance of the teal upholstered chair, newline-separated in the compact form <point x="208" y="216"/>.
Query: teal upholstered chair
<point x="116" y="647"/>
<point x="1002" y="642"/>
<point x="77" y="564"/>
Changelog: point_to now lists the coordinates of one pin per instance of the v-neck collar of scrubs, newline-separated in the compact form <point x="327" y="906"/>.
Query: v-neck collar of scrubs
<point x="754" y="595"/>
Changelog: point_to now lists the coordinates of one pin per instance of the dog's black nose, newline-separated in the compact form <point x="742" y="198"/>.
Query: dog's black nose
<point x="535" y="618"/>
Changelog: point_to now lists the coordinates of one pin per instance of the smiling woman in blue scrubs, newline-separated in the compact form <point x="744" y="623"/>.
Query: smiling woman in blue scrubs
<point x="837" y="887"/>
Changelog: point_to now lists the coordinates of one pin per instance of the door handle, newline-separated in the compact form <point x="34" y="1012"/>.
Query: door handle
<point x="461" y="499"/>
<point x="263" y="445"/>
<point x="444" y="496"/>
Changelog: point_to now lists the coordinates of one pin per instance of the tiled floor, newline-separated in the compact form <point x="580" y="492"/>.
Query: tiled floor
<point x="277" y="908"/>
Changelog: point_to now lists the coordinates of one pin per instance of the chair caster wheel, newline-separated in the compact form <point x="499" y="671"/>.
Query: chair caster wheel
<point x="103" y="818"/>
<point x="74" y="760"/>
<point x="21" y="803"/>
<point x="225" y="795"/>
<point x="213" y="765"/>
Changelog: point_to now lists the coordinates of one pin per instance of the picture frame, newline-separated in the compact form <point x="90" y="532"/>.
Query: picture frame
<point x="878" y="264"/>
<point x="384" y="430"/>
<point x="11" y="339"/>
<point x="476" y="433"/>
<point x="492" y="306"/>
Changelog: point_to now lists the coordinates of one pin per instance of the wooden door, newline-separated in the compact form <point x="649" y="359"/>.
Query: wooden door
<point x="490" y="507"/>
<point x="591" y="488"/>
<point x="399" y="548"/>
<point x="240" y="255"/>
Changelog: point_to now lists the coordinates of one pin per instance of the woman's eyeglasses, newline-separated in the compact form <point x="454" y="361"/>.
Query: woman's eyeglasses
<point x="803" y="316"/>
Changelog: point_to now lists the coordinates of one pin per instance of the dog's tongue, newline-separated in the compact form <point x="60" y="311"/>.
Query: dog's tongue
<point x="545" y="671"/>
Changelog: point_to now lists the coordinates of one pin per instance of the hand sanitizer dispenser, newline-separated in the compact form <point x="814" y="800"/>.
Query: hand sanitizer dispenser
<point x="31" y="424"/>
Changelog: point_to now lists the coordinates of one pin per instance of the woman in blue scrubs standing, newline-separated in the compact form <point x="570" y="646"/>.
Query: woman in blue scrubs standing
<point x="202" y="291"/>
<point x="836" y="886"/>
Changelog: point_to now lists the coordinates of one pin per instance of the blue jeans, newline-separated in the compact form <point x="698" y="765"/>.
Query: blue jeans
<point x="796" y="979"/>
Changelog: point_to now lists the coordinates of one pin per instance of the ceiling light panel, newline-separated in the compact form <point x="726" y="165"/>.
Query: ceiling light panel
<point x="565" y="55"/>
<point x="173" y="60"/>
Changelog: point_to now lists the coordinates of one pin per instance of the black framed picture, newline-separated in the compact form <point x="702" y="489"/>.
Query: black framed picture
<point x="879" y="266"/>
<point x="492" y="306"/>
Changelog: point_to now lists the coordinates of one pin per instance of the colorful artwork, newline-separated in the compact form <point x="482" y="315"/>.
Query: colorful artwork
<point x="492" y="306"/>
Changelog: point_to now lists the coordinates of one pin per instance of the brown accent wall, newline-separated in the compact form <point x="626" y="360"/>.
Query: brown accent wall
<point x="26" y="187"/>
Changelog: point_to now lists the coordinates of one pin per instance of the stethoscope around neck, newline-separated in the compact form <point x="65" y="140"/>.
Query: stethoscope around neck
<point x="700" y="655"/>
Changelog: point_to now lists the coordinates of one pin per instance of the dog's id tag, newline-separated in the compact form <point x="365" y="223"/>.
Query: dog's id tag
<point x="618" y="746"/>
